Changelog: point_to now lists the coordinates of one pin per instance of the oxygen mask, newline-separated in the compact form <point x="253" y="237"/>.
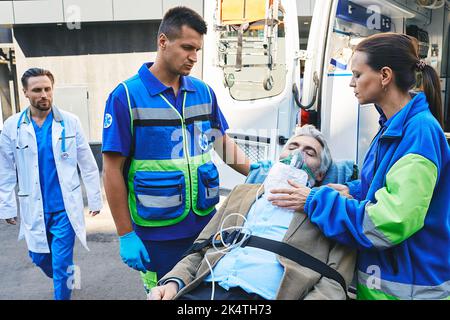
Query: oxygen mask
<point x="293" y="167"/>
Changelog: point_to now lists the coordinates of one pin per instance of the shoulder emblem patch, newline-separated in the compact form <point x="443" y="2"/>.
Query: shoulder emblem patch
<point x="108" y="121"/>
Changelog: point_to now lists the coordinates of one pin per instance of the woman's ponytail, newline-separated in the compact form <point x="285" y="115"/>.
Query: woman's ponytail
<point x="432" y="89"/>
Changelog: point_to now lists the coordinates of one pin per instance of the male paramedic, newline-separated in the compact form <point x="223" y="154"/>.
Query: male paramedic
<point x="286" y="256"/>
<point x="159" y="128"/>
<point x="45" y="145"/>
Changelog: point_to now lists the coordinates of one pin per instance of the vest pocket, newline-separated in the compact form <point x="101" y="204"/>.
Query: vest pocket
<point x="208" y="186"/>
<point x="159" y="195"/>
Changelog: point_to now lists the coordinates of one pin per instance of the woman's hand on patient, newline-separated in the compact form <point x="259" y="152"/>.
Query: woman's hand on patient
<point x="342" y="189"/>
<point x="292" y="199"/>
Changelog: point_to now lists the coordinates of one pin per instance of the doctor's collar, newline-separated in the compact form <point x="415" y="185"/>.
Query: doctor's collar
<point x="56" y="115"/>
<point x="25" y="117"/>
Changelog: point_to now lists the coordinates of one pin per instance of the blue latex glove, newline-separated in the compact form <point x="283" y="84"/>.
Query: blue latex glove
<point x="264" y="164"/>
<point x="133" y="252"/>
<point x="258" y="171"/>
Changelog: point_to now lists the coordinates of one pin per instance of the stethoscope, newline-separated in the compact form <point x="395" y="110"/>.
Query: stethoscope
<point x="64" y="153"/>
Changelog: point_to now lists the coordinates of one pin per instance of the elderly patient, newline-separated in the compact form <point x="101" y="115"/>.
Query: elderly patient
<point x="246" y="272"/>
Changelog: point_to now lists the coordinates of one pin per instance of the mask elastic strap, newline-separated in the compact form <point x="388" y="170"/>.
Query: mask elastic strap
<point x="309" y="172"/>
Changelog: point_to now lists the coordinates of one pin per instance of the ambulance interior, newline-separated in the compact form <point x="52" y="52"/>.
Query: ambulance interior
<point x="273" y="67"/>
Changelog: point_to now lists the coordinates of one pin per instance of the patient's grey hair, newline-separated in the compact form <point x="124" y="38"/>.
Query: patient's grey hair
<point x="311" y="131"/>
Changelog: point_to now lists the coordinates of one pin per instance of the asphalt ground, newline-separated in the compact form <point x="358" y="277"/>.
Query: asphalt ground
<point x="103" y="275"/>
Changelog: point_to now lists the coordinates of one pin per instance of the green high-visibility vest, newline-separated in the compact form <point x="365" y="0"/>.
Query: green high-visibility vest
<point x="170" y="171"/>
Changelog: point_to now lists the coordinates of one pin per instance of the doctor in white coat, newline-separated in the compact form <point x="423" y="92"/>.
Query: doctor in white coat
<point x="40" y="149"/>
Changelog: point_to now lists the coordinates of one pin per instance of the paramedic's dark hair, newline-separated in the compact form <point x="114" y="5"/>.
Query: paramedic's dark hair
<point x="400" y="53"/>
<point x="176" y="18"/>
<point x="36" y="72"/>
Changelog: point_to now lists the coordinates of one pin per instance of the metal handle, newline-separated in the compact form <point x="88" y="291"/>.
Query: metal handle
<point x="316" y="91"/>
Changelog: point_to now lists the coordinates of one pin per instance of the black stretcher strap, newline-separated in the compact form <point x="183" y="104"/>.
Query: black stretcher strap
<point x="296" y="255"/>
<point x="280" y="248"/>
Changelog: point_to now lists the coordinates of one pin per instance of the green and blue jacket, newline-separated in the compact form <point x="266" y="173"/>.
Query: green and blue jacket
<point x="399" y="218"/>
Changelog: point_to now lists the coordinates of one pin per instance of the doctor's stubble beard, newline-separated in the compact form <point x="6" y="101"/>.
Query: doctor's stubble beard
<point x="43" y="108"/>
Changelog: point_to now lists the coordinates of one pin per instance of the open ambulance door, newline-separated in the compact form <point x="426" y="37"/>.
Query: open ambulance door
<point x="347" y="126"/>
<point x="326" y="80"/>
<point x="314" y="57"/>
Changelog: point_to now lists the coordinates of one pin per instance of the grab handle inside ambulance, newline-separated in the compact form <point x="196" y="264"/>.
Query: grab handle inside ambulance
<point x="296" y="94"/>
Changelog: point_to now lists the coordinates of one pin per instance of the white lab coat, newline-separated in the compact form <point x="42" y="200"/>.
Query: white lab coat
<point x="23" y="157"/>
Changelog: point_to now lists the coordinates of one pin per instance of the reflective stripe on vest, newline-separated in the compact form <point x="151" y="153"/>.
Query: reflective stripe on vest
<point x="167" y="201"/>
<point x="168" y="114"/>
<point x="370" y="288"/>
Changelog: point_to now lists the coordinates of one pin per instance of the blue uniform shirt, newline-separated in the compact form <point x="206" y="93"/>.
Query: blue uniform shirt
<point x="48" y="176"/>
<point x="117" y="138"/>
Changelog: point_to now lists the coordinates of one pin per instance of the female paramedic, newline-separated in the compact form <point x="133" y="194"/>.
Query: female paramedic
<point x="398" y="214"/>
